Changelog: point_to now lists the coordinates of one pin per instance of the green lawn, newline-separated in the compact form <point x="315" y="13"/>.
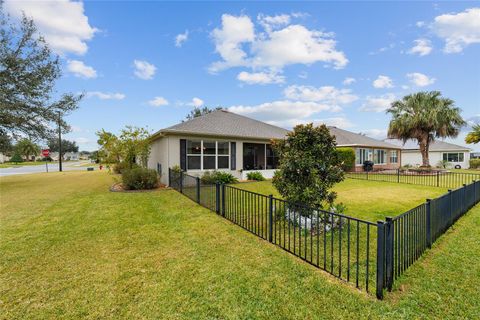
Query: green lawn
<point x="22" y="164"/>
<point x="72" y="249"/>
<point x="368" y="200"/>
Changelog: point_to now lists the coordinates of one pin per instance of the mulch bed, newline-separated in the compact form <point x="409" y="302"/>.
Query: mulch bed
<point x="118" y="187"/>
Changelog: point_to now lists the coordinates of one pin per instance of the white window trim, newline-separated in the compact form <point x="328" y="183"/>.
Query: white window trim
<point x="216" y="155"/>
<point x="384" y="156"/>
<point x="458" y="154"/>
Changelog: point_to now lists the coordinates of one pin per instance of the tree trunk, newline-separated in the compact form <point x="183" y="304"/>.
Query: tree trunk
<point x="424" y="147"/>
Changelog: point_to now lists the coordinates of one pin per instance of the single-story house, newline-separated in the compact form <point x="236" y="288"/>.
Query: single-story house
<point x="458" y="156"/>
<point x="226" y="141"/>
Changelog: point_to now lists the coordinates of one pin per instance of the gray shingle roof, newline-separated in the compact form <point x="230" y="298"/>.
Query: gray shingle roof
<point x="227" y="124"/>
<point x="347" y="138"/>
<point x="436" y="145"/>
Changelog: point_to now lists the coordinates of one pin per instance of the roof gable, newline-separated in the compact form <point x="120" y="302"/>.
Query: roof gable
<point x="436" y="145"/>
<point x="348" y="138"/>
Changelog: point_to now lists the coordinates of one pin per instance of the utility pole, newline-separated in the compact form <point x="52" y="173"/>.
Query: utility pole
<point x="59" y="143"/>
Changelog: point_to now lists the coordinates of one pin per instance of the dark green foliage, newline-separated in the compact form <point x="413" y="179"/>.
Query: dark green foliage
<point x="139" y="179"/>
<point x="211" y="177"/>
<point x="27" y="148"/>
<point x="16" y="158"/>
<point x="197" y="112"/>
<point x="474" y="163"/>
<point x="6" y="146"/>
<point x="347" y="158"/>
<point x="309" y="166"/>
<point x="122" y="166"/>
<point x="67" y="146"/>
<point x="28" y="73"/>
<point x="255" y="175"/>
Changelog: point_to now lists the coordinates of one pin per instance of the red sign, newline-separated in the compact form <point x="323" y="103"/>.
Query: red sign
<point x="45" y="153"/>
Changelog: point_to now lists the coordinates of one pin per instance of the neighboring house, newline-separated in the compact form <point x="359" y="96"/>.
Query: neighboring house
<point x="458" y="156"/>
<point x="226" y="141"/>
<point x="384" y="155"/>
<point x="73" y="156"/>
<point x="475" y="155"/>
<point x="4" y="158"/>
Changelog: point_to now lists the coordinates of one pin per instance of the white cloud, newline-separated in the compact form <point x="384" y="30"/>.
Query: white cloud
<point x="283" y="109"/>
<point x="349" y="81"/>
<point x="144" y="70"/>
<point x="80" y="69"/>
<point x="379" y="134"/>
<point x="420" y="24"/>
<point x="326" y="94"/>
<point x="339" y="122"/>
<point x="181" y="38"/>
<point x="419" y="79"/>
<point x="106" y="95"/>
<point x="459" y="30"/>
<point x="158" y="102"/>
<point x="63" y="24"/>
<point x="378" y="103"/>
<point x="196" y="102"/>
<point x="274" y="48"/>
<point x="422" y="47"/>
<point x="260" y="77"/>
<point x="383" y="82"/>
<point x="273" y="22"/>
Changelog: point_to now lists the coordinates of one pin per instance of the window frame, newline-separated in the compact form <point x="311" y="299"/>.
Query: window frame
<point x="203" y="154"/>
<point x="459" y="155"/>
<point x="393" y="155"/>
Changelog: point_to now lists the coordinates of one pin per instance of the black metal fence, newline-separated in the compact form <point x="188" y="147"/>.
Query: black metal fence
<point x="445" y="179"/>
<point x="367" y="254"/>
<point x="341" y="245"/>
<point x="403" y="239"/>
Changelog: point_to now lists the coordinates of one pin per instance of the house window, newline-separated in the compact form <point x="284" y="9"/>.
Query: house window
<point x="363" y="155"/>
<point x="207" y="155"/>
<point x="453" y="157"/>
<point x="393" y="156"/>
<point x="259" y="156"/>
<point x="379" y="156"/>
<point x="194" y="154"/>
<point x="272" y="158"/>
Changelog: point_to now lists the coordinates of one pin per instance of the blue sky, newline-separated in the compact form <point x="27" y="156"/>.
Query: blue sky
<point x="341" y="63"/>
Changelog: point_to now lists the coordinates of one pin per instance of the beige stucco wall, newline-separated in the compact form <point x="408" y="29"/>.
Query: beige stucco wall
<point x="414" y="158"/>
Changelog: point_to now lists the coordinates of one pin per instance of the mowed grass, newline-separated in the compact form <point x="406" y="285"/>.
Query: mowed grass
<point x="72" y="249"/>
<point x="368" y="200"/>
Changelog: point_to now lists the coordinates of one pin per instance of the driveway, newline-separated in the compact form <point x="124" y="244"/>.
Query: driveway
<point x="52" y="167"/>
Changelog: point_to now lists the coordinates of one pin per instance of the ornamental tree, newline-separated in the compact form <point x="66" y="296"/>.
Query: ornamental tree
<point x="309" y="166"/>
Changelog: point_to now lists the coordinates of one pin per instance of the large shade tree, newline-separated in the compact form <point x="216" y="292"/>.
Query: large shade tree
<point x="28" y="73"/>
<point x="27" y="148"/>
<point x="67" y="146"/>
<point x="474" y="135"/>
<point x="197" y="112"/>
<point x="424" y="117"/>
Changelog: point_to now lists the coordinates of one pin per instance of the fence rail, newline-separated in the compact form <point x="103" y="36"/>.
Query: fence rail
<point x="367" y="254"/>
<point x="445" y="179"/>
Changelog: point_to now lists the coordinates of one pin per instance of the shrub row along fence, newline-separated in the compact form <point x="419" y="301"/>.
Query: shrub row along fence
<point x="445" y="179"/>
<point x="369" y="255"/>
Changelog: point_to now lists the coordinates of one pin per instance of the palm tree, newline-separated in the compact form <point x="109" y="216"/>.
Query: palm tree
<point x="424" y="116"/>
<point x="474" y="135"/>
<point x="27" y="148"/>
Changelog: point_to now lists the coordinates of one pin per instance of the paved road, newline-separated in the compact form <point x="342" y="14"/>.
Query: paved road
<point x="52" y="167"/>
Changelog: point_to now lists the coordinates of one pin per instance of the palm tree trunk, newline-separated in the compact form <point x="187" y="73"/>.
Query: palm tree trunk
<point x="424" y="146"/>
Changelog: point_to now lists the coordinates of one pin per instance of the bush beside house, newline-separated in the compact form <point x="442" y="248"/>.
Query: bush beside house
<point x="474" y="163"/>
<point x="255" y="176"/>
<point x="139" y="179"/>
<point x="347" y="158"/>
<point x="211" y="177"/>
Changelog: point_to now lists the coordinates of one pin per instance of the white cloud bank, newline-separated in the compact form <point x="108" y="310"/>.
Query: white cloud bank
<point x="420" y="79"/>
<point x="458" y="30"/>
<point x="106" y="95"/>
<point x="63" y="24"/>
<point x="181" y="38"/>
<point x="422" y="47"/>
<point x="144" y="70"/>
<point x="383" y="82"/>
<point x="158" y="102"/>
<point x="260" y="77"/>
<point x="196" y="102"/>
<point x="348" y="81"/>
<point x="378" y="103"/>
<point x="80" y="69"/>
<point x="278" y="45"/>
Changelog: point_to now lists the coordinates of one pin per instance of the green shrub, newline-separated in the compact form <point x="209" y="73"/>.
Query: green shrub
<point x="474" y="163"/>
<point x="122" y="166"/>
<point x="211" y="177"/>
<point x="139" y="179"/>
<point x="347" y="158"/>
<point x="255" y="175"/>
<point x="16" y="158"/>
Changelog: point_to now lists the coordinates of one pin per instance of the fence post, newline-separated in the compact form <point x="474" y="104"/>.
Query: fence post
<point x="217" y="197"/>
<point x="428" y="223"/>
<point x="438" y="178"/>
<point x="398" y="175"/>
<point x="169" y="177"/>
<point x="380" y="259"/>
<point x="270" y="218"/>
<point x="198" y="189"/>
<point x="181" y="181"/>
<point x="450" y="202"/>
<point x="389" y="252"/>
<point x="464" y="200"/>
<point x="223" y="199"/>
